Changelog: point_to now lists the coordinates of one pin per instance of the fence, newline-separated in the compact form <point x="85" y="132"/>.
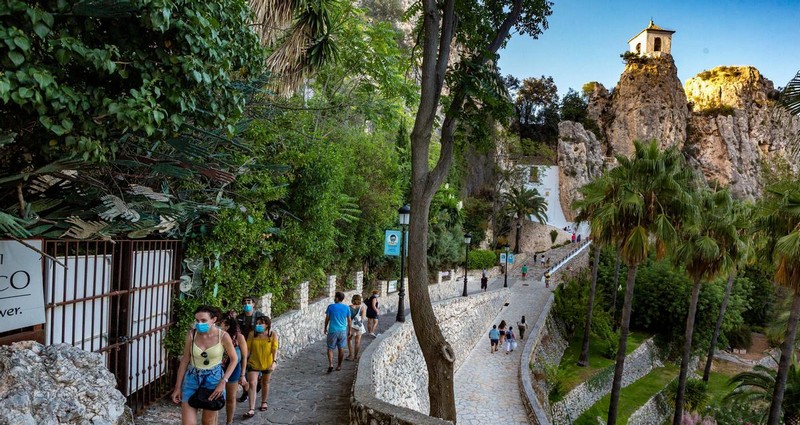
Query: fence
<point x="115" y="298"/>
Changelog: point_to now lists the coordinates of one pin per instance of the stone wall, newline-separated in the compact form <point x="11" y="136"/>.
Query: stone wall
<point x="637" y="364"/>
<point x="656" y="411"/>
<point x="391" y="383"/>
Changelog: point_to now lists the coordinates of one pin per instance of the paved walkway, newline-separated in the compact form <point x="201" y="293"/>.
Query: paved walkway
<point x="487" y="385"/>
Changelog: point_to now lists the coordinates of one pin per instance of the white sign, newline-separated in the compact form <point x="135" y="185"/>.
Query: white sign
<point x="502" y="258"/>
<point x="21" y="296"/>
<point x="392" y="286"/>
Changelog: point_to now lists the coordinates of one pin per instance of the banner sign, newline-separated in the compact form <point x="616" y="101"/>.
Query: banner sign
<point x="21" y="285"/>
<point x="391" y="243"/>
<point x="502" y="258"/>
<point x="510" y="258"/>
<point x="392" y="286"/>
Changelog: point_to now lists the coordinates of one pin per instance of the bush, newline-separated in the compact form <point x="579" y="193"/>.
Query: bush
<point x="554" y="376"/>
<point x="570" y="301"/>
<point x="696" y="394"/>
<point x="740" y="337"/>
<point x="553" y="235"/>
<point x="482" y="259"/>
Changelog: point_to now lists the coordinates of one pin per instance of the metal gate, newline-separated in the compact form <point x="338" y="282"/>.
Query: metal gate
<point x="115" y="298"/>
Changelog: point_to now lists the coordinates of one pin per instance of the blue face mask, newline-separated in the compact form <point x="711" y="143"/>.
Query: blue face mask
<point x="260" y="328"/>
<point x="202" y="327"/>
<point x="248" y="308"/>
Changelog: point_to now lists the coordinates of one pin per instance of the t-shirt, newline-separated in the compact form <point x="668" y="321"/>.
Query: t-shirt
<point x="494" y="334"/>
<point x="248" y="323"/>
<point x="338" y="314"/>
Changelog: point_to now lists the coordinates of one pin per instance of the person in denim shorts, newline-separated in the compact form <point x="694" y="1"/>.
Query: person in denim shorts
<point x="337" y="324"/>
<point x="201" y="364"/>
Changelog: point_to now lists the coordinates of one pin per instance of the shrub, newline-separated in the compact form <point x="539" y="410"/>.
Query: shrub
<point x="554" y="377"/>
<point x="482" y="259"/>
<point x="696" y="394"/>
<point x="633" y="57"/>
<point x="740" y="337"/>
<point x="553" y="235"/>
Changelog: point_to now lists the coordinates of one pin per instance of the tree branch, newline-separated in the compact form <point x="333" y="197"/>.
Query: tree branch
<point x="505" y="27"/>
<point x="445" y="42"/>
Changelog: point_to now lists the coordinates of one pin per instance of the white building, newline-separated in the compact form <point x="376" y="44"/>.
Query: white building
<point x="652" y="41"/>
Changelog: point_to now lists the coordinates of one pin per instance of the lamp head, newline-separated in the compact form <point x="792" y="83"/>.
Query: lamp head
<point x="467" y="238"/>
<point x="404" y="213"/>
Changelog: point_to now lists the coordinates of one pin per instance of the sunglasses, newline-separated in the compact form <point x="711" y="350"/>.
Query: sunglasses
<point x="205" y="356"/>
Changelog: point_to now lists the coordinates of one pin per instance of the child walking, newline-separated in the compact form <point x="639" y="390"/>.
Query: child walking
<point x="494" y="339"/>
<point x="511" y="342"/>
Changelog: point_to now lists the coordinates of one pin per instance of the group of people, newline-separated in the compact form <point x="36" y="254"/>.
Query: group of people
<point x="503" y="335"/>
<point x="222" y="352"/>
<point x="225" y="351"/>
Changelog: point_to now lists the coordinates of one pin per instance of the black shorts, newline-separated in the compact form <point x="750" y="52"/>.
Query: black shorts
<point x="372" y="314"/>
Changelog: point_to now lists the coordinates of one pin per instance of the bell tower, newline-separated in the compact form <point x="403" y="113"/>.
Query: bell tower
<point x="652" y="41"/>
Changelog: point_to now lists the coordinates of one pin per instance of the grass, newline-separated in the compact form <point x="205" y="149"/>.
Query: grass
<point x="632" y="397"/>
<point x="717" y="387"/>
<point x="574" y="375"/>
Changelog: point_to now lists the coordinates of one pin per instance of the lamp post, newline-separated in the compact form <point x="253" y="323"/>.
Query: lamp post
<point x="467" y="240"/>
<point x="403" y="213"/>
<point x="505" y="277"/>
<point x="519" y="226"/>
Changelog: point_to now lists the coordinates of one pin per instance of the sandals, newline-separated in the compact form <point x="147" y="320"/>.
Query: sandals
<point x="263" y="407"/>
<point x="330" y="369"/>
<point x="250" y="413"/>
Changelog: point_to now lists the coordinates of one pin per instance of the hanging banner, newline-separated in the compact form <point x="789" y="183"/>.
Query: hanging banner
<point x="510" y="258"/>
<point x="502" y="258"/>
<point x="391" y="243"/>
<point x="21" y="294"/>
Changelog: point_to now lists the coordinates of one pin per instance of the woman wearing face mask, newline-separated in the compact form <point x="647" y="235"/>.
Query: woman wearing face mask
<point x="247" y="322"/>
<point x="201" y="365"/>
<point x="231" y="326"/>
<point x="263" y="345"/>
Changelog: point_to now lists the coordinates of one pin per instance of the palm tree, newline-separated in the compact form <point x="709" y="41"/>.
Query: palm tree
<point x="592" y="197"/>
<point x="710" y="245"/>
<point x="741" y="216"/>
<point x="647" y="198"/>
<point x="790" y="96"/>
<point x="525" y="202"/>
<point x="755" y="388"/>
<point x="778" y="227"/>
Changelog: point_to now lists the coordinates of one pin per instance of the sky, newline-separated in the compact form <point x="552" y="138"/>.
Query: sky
<point x="585" y="39"/>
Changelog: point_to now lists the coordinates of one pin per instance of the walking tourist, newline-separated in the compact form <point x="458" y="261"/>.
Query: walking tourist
<point x="547" y="263"/>
<point x="579" y="238"/>
<point x="372" y="313"/>
<point x="541" y="260"/>
<point x="358" y="315"/>
<point x="263" y="345"/>
<point x="521" y="325"/>
<point x="502" y="330"/>
<point x="484" y="282"/>
<point x="511" y="342"/>
<point x="201" y="366"/>
<point x="494" y="339"/>
<point x="547" y="280"/>
<point x="337" y="323"/>
<point x="573" y="237"/>
<point x="231" y="326"/>
<point x="247" y="321"/>
<point x="524" y="271"/>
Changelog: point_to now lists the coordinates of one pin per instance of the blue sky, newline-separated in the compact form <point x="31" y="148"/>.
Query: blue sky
<point x="585" y="39"/>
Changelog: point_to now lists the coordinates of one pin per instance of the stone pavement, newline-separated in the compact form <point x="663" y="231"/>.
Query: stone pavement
<point x="487" y="385"/>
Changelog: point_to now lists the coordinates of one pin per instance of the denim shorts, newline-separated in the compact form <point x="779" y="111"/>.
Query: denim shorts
<point x="208" y="377"/>
<point x="237" y="373"/>
<point x="337" y="339"/>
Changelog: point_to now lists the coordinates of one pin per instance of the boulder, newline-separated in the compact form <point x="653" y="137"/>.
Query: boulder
<point x="58" y="384"/>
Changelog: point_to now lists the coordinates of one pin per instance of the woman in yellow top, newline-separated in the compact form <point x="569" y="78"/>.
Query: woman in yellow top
<point x="201" y="365"/>
<point x="263" y="346"/>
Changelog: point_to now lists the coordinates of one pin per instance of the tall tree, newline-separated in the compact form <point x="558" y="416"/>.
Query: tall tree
<point x="593" y="196"/>
<point x="710" y="245"/>
<point x="741" y="216"/>
<point x="648" y="198"/>
<point x="482" y="29"/>
<point x="778" y="227"/>
<point x="522" y="203"/>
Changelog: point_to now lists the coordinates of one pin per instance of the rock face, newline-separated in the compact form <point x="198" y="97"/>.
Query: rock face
<point x="648" y="103"/>
<point x="737" y="131"/>
<point x="57" y="384"/>
<point x="579" y="162"/>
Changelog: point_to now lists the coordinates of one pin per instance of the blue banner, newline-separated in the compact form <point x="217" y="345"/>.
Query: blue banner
<point x="391" y="243"/>
<point x="510" y="258"/>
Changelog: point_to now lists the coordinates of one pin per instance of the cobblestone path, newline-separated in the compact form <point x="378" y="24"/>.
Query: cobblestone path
<point x="487" y="385"/>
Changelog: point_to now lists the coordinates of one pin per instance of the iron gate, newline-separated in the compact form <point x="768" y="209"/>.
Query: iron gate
<point x="115" y="298"/>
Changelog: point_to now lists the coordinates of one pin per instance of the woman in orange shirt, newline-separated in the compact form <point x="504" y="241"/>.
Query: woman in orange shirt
<point x="263" y="357"/>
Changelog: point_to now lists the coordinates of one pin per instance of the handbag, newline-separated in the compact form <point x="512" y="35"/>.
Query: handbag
<point x="200" y="398"/>
<point x="357" y="324"/>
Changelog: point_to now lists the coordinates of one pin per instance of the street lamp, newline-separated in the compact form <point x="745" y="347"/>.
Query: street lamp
<point x="505" y="278"/>
<point x="467" y="240"/>
<point x="404" y="212"/>
<point x="516" y="249"/>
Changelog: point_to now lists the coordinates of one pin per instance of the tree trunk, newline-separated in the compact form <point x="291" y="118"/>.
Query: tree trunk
<point x="583" y="360"/>
<point x="614" y="291"/>
<point x="715" y="336"/>
<point x="519" y="231"/>
<point x="616" y="386"/>
<point x="787" y="349"/>
<point x="687" y="352"/>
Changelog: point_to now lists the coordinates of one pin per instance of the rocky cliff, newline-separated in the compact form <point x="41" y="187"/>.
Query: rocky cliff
<point x="725" y="120"/>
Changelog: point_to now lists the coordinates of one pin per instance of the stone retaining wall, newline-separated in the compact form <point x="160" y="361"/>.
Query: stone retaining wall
<point x="391" y="382"/>
<point x="639" y="363"/>
<point x="656" y="411"/>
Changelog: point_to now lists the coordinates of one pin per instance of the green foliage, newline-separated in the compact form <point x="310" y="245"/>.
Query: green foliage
<point x="716" y="109"/>
<point x="790" y="95"/>
<point x="554" y="377"/>
<point x="570" y="301"/>
<point x="696" y="394"/>
<point x="482" y="259"/>
<point x="553" y="235"/>
<point x="477" y="212"/>
<point x="77" y="77"/>
<point x="633" y="58"/>
<point x="740" y="337"/>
